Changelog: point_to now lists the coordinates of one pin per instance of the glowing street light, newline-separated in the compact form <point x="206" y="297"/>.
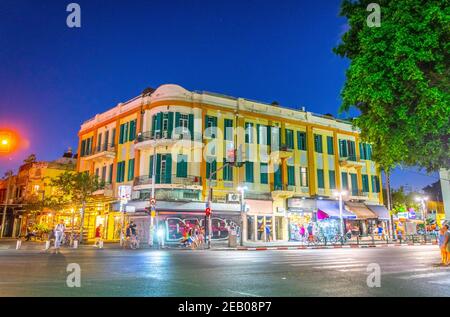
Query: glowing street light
<point x="339" y="194"/>
<point x="5" y="142"/>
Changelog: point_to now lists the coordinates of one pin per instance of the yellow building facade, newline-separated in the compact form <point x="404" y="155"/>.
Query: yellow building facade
<point x="289" y="159"/>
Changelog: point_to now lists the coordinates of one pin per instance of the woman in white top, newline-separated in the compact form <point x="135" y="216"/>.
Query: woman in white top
<point x="59" y="232"/>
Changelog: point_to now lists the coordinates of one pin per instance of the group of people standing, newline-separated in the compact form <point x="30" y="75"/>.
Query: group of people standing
<point x="193" y="237"/>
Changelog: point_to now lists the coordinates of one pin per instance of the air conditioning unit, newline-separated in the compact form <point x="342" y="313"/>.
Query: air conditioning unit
<point x="135" y="194"/>
<point x="233" y="197"/>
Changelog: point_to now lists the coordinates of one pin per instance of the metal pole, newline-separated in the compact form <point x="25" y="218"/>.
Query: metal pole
<point x="9" y="174"/>
<point x="388" y="198"/>
<point x="153" y="208"/>
<point x="340" y="215"/>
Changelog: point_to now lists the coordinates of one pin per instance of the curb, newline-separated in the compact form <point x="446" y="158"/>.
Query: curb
<point x="331" y="247"/>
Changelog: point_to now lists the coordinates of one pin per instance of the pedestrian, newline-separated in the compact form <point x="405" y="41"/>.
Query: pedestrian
<point x="444" y="244"/>
<point x="380" y="232"/>
<point x="310" y="232"/>
<point x="98" y="236"/>
<point x="302" y="232"/>
<point x="268" y="237"/>
<point x="59" y="232"/>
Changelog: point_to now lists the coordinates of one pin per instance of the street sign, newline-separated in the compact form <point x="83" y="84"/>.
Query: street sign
<point x="124" y="193"/>
<point x="152" y="202"/>
<point x="208" y="211"/>
<point x="153" y="213"/>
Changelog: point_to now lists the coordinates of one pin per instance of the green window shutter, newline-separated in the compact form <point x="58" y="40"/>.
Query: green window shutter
<point x="168" y="176"/>
<point x="99" y="142"/>
<point x="153" y="124"/>
<point x="214" y="168"/>
<point x="351" y="151"/>
<point x="343" y="148"/>
<point x="170" y="125"/>
<point x="249" y="172"/>
<point x="354" y="180"/>
<point x="121" y="134"/>
<point x="263" y="173"/>
<point x="130" y="170"/>
<point x="330" y="145"/>
<point x="369" y="152"/>
<point x="110" y="176"/>
<point x="269" y="135"/>
<point x="182" y="166"/>
<point x="291" y="175"/>
<point x="332" y="177"/>
<point x="318" y="143"/>
<point x="227" y="172"/>
<point x="191" y="126"/>
<point x="289" y="134"/>
<point x="301" y="140"/>
<point x="277" y="177"/>
<point x="159" y="119"/>
<point x="150" y="167"/>
<point x="125" y="132"/>
<point x="362" y="155"/>
<point x="158" y="169"/>
<point x="132" y="135"/>
<point x="320" y="180"/>
<point x="249" y="132"/>
<point x="120" y="172"/>
<point x="83" y="148"/>
<point x="257" y="134"/>
<point x="344" y="177"/>
<point x="365" y="183"/>
<point x="177" y="119"/>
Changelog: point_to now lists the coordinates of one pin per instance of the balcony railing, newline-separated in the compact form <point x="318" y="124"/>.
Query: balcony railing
<point x="188" y="180"/>
<point x="111" y="148"/>
<point x="283" y="187"/>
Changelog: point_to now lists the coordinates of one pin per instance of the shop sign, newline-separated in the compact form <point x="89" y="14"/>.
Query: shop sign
<point x="124" y="193"/>
<point x="412" y="215"/>
<point x="301" y="203"/>
<point x="403" y="215"/>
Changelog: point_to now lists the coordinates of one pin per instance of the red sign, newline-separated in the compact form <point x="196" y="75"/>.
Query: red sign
<point x="153" y="202"/>
<point x="208" y="212"/>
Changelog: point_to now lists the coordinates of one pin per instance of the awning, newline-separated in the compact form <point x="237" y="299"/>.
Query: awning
<point x="140" y="205"/>
<point x="360" y="210"/>
<point x="331" y="208"/>
<point x="263" y="207"/>
<point x="380" y="210"/>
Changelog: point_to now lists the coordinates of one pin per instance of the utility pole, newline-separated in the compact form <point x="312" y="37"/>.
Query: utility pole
<point x="153" y="206"/>
<point x="9" y="175"/>
<point x="388" y="198"/>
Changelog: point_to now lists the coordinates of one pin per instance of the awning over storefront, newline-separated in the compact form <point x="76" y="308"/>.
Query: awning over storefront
<point x="360" y="210"/>
<point x="301" y="205"/>
<point x="140" y="205"/>
<point x="331" y="209"/>
<point x="380" y="211"/>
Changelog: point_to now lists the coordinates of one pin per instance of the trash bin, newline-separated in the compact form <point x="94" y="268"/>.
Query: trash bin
<point x="232" y="239"/>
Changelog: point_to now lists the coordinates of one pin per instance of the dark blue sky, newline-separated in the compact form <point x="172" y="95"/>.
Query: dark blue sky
<point x="52" y="78"/>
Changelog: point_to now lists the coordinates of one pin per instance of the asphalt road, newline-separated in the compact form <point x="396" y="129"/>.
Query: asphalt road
<point x="405" y="271"/>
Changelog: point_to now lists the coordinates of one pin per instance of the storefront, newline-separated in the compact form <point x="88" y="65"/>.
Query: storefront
<point x="260" y="222"/>
<point x="382" y="215"/>
<point x="328" y="218"/>
<point x="365" y="222"/>
<point x="174" y="218"/>
<point x="406" y="223"/>
<point x="300" y="213"/>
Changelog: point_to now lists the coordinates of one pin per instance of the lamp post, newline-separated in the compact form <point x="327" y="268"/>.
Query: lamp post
<point x="5" y="207"/>
<point x="422" y="200"/>
<point x="242" y="189"/>
<point x="339" y="194"/>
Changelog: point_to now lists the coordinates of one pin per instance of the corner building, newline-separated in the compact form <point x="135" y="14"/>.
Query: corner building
<point x="292" y="162"/>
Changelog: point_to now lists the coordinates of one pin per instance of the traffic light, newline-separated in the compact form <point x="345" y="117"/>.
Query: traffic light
<point x="208" y="211"/>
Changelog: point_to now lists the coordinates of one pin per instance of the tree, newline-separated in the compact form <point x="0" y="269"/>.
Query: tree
<point x="402" y="201"/>
<point x="398" y="78"/>
<point x="78" y="188"/>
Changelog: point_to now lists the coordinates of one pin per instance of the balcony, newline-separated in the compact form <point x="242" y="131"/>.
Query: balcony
<point x="358" y="195"/>
<point x="149" y="139"/>
<point x="105" y="151"/>
<point x="350" y="161"/>
<point x="283" y="191"/>
<point x="106" y="191"/>
<point x="284" y="151"/>
<point x="144" y="182"/>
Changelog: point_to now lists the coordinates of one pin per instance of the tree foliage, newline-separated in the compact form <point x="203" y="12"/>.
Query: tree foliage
<point x="399" y="80"/>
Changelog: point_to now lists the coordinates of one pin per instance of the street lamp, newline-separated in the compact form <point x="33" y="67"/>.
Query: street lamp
<point x="242" y="189"/>
<point x="339" y="194"/>
<point x="422" y="200"/>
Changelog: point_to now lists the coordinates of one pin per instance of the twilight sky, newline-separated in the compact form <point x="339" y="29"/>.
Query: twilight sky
<point x="52" y="78"/>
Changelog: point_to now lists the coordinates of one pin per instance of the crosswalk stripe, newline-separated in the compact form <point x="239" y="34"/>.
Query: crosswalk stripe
<point x="299" y="261"/>
<point x="340" y="266"/>
<point x="441" y="282"/>
<point x="383" y="268"/>
<point x="425" y="275"/>
<point x="332" y="263"/>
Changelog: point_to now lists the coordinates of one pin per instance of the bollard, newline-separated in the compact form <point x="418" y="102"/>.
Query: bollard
<point x="19" y="244"/>
<point x="47" y="245"/>
<point x="75" y="244"/>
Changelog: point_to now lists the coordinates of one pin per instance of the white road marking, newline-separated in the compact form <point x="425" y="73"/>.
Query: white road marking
<point x="425" y="275"/>
<point x="340" y="266"/>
